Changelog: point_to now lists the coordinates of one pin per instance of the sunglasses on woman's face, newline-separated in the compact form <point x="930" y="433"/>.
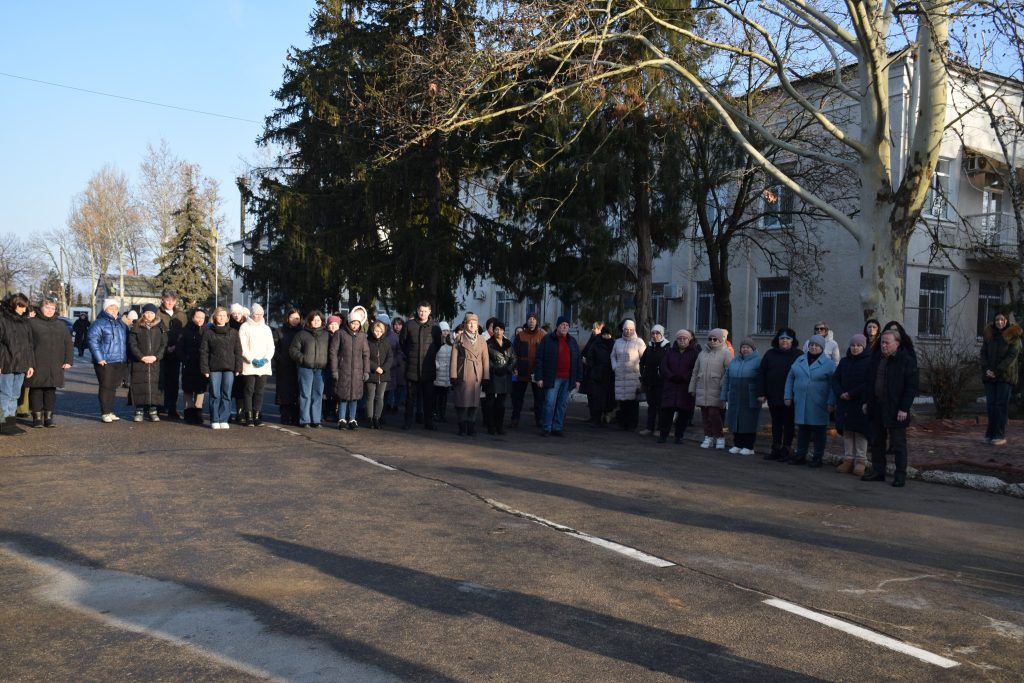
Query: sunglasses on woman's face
<point x="714" y="339"/>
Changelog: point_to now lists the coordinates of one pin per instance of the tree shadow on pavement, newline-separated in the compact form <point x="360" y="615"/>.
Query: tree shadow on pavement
<point x="907" y="552"/>
<point x="650" y="647"/>
<point x="269" y="616"/>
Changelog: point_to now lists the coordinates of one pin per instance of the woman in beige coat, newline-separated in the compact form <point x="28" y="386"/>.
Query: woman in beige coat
<point x="470" y="366"/>
<point x="626" y="365"/>
<point x="706" y="386"/>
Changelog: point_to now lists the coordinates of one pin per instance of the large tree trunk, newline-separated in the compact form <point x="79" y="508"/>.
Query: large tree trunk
<point x="718" y="263"/>
<point x="644" y="257"/>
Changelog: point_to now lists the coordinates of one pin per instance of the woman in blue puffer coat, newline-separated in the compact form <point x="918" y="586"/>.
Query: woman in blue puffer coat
<point x="809" y="390"/>
<point x="739" y="391"/>
<point x="108" y="344"/>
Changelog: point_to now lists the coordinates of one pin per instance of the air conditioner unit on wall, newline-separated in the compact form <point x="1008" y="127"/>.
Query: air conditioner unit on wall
<point x="976" y="164"/>
<point x="480" y="295"/>
<point x="675" y="292"/>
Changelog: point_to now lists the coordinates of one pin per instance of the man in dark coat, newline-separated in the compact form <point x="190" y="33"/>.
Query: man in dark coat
<point x="417" y="343"/>
<point x="890" y="388"/>
<point x="771" y="386"/>
<point x="174" y="321"/>
<point x="557" y="370"/>
<point x="286" y="373"/>
<point x="81" y="331"/>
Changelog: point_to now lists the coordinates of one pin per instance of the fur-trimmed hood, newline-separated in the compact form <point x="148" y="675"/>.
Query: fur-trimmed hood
<point x="1012" y="333"/>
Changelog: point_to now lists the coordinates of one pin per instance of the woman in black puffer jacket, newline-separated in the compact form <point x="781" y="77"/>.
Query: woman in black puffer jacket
<point x="17" y="359"/>
<point x="502" y="361"/>
<point x="771" y="386"/>
<point x="147" y="341"/>
<point x="380" y="372"/>
<point x="193" y="383"/>
<point x="309" y="352"/>
<point x="54" y="354"/>
<point x="220" y="358"/>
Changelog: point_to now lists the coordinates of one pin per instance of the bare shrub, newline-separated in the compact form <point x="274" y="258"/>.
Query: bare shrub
<point x="948" y="368"/>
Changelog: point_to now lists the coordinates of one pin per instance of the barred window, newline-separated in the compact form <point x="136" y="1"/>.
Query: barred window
<point x="931" y="307"/>
<point x="705" y="317"/>
<point x="503" y="307"/>
<point x="773" y="304"/>
<point x="990" y="298"/>
<point x="938" y="194"/>
<point x="659" y="305"/>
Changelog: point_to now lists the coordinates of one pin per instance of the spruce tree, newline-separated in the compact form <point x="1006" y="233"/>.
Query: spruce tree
<point x="187" y="261"/>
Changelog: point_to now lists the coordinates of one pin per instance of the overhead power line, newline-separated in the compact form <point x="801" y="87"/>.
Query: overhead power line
<point x="130" y="99"/>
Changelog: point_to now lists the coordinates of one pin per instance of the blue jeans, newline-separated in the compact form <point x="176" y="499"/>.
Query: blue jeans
<point x="556" y="400"/>
<point x="347" y="410"/>
<point x="10" y="393"/>
<point x="997" y="403"/>
<point x="221" y="382"/>
<point x="311" y="395"/>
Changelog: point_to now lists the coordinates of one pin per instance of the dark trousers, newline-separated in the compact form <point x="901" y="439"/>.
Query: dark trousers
<point x="629" y="414"/>
<point x="653" y="406"/>
<point x="441" y="403"/>
<point x="519" y="397"/>
<point x="374" y="394"/>
<point x="891" y="438"/>
<point x="253" y="386"/>
<point x="807" y="433"/>
<point x="997" y="404"/>
<point x="683" y="418"/>
<point x="109" y="377"/>
<point x="494" y="411"/>
<point x="170" y="379"/>
<point x="420" y="402"/>
<point x="42" y="398"/>
<point x="711" y="417"/>
<point x="782" y="426"/>
<point x="744" y="440"/>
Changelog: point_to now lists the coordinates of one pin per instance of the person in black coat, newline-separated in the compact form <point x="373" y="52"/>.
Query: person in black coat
<point x="599" y="382"/>
<point x="286" y="373"/>
<point x="848" y="386"/>
<point x="54" y="354"/>
<point x="309" y="352"/>
<point x="174" y="322"/>
<point x="891" y="385"/>
<point x="17" y="359"/>
<point x="147" y="343"/>
<point x="220" y="358"/>
<point x="771" y="387"/>
<point x="650" y="375"/>
<point x="380" y="372"/>
<point x="502" y="361"/>
<point x="193" y="383"/>
<point x="81" y="331"/>
<point x="417" y="343"/>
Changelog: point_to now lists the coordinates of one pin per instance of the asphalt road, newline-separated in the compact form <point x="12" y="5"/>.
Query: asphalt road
<point x="165" y="552"/>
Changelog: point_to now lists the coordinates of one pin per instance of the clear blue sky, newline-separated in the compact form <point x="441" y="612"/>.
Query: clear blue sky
<point x="222" y="56"/>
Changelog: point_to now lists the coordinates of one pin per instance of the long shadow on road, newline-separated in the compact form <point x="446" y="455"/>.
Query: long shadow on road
<point x="944" y="559"/>
<point x="650" y="647"/>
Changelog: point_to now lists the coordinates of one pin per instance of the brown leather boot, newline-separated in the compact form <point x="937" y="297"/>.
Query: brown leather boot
<point x="846" y="466"/>
<point x="859" y="467"/>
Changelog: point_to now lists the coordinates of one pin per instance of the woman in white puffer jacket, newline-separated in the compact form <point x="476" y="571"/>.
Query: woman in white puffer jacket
<point x="257" y="350"/>
<point x="626" y="355"/>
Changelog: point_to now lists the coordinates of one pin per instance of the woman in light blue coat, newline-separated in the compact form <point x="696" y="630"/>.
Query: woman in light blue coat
<point x="739" y="391"/>
<point x="809" y="389"/>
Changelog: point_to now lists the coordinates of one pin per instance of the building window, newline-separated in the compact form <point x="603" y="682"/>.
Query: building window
<point x="503" y="303"/>
<point x="706" y="319"/>
<point x="937" y="204"/>
<point x="772" y="304"/>
<point x="990" y="298"/>
<point x="777" y="207"/>
<point x="571" y="310"/>
<point x="931" y="307"/>
<point x="659" y="305"/>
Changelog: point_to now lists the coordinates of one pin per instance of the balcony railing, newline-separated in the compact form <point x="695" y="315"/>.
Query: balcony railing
<point x="992" y="237"/>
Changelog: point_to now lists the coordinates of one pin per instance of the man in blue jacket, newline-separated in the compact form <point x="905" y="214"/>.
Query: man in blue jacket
<point x="556" y="372"/>
<point x="108" y="344"/>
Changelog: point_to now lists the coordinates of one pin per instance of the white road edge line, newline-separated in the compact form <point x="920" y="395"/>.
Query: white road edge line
<point x="860" y="632"/>
<point x="604" y="543"/>
<point x="372" y="461"/>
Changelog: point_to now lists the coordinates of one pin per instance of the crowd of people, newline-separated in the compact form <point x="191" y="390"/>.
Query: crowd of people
<point x="365" y="366"/>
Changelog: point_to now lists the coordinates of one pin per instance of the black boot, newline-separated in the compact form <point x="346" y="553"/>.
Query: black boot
<point x="462" y="428"/>
<point x="37" y="419"/>
<point x="471" y="428"/>
<point x="775" y="454"/>
<point x="48" y="419"/>
<point x="10" y="427"/>
<point x="243" y="418"/>
<point x="257" y="419"/>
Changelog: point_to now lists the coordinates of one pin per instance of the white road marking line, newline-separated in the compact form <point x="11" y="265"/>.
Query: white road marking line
<point x="865" y="634"/>
<point x="372" y="461"/>
<point x="604" y="543"/>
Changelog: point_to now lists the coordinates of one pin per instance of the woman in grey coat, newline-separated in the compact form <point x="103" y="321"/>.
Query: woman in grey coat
<point x="469" y="369"/>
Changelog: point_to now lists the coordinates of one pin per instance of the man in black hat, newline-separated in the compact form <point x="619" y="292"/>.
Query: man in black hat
<point x="170" y="367"/>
